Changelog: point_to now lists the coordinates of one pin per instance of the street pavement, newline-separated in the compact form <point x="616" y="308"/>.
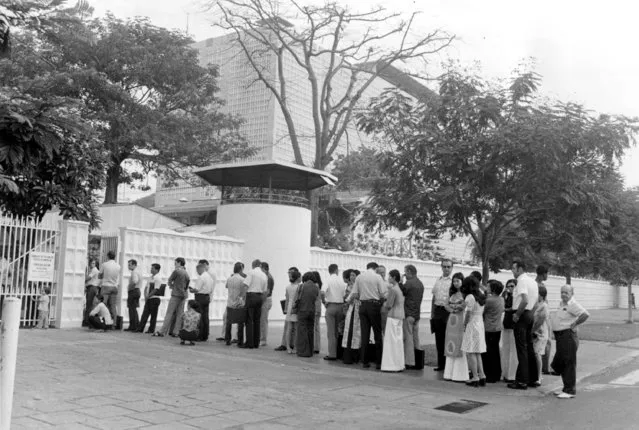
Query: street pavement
<point x="76" y="379"/>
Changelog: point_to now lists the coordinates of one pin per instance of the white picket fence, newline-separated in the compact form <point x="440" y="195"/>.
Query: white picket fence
<point x="163" y="247"/>
<point x="591" y="294"/>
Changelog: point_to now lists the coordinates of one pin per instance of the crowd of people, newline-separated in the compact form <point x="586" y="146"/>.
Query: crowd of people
<point x="484" y="333"/>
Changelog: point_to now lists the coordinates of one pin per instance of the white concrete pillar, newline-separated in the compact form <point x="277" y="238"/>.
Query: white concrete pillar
<point x="278" y="234"/>
<point x="8" y="356"/>
<point x="72" y="262"/>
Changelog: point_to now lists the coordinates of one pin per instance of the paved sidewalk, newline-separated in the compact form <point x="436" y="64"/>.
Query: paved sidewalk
<point x="72" y="379"/>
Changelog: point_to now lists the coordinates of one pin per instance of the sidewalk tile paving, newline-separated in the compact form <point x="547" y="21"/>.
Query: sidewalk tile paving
<point x="79" y="379"/>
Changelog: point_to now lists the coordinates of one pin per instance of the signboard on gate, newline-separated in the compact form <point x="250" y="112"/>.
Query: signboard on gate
<point x="41" y="267"/>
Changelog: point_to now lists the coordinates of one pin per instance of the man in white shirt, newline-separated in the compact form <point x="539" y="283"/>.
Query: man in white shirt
<point x="525" y="297"/>
<point x="334" y="302"/>
<point x="257" y="284"/>
<point x="203" y="289"/>
<point x="100" y="317"/>
<point x="564" y="321"/>
<point x="134" y="292"/>
<point x="438" y="312"/>
<point x="369" y="287"/>
<point x="110" y="276"/>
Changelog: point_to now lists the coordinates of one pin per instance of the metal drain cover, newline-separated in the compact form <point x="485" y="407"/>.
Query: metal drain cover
<point x="461" y="407"/>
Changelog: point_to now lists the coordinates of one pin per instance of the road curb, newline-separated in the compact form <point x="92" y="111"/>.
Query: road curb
<point x="550" y="389"/>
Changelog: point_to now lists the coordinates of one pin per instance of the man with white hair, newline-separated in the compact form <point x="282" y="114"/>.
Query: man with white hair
<point x="565" y="320"/>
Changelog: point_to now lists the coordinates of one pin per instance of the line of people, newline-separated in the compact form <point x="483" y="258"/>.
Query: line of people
<point x="369" y="319"/>
<point x="483" y="333"/>
<point x="491" y="333"/>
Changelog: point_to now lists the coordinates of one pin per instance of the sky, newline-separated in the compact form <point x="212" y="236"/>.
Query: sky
<point x="585" y="50"/>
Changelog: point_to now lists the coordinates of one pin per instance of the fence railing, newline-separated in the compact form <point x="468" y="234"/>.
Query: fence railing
<point x="28" y="258"/>
<point x="268" y="198"/>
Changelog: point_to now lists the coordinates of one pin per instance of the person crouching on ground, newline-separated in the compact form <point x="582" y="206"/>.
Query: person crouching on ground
<point x="564" y="325"/>
<point x="190" y="323"/>
<point x="100" y="317"/>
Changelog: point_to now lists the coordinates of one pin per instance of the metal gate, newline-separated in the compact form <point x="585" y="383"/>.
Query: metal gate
<point x="108" y="242"/>
<point x="29" y="253"/>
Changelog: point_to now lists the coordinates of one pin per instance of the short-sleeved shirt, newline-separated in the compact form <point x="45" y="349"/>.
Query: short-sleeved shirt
<point x="369" y="286"/>
<point x="154" y="287"/>
<point x="136" y="279"/>
<point x="191" y="320"/>
<point x="235" y="287"/>
<point x="493" y="310"/>
<point x="413" y="291"/>
<point x="525" y="285"/>
<point x="335" y="289"/>
<point x="441" y="291"/>
<point x="566" y="315"/>
<point x="204" y="284"/>
<point x="179" y="281"/>
<point x="257" y="281"/>
<point x="110" y="274"/>
<point x="93" y="277"/>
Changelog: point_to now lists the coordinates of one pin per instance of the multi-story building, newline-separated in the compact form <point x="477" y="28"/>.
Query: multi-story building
<point x="264" y="125"/>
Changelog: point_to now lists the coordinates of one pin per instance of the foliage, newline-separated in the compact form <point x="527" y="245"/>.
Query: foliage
<point x="158" y="107"/>
<point x="620" y="251"/>
<point x="479" y="159"/>
<point x="49" y="156"/>
<point x="357" y="170"/>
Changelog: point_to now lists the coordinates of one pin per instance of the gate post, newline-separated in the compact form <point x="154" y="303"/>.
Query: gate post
<point x="72" y="262"/>
<point x="8" y="355"/>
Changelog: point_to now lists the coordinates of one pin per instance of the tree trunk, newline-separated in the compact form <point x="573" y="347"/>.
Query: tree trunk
<point x="485" y="271"/>
<point x="568" y="278"/>
<point x="313" y="199"/>
<point x="112" y="182"/>
<point x="630" y="319"/>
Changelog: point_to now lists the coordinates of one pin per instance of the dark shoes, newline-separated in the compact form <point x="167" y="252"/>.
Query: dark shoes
<point x="243" y="346"/>
<point x="327" y="358"/>
<point x="517" y="386"/>
<point x="280" y="348"/>
<point x="473" y="383"/>
<point x="437" y="369"/>
<point x="409" y="367"/>
<point x="366" y="365"/>
<point x="316" y="351"/>
<point x="534" y="384"/>
<point x="220" y="339"/>
<point x="482" y="382"/>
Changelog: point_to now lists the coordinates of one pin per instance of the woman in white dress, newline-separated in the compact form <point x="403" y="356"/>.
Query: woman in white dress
<point x="393" y="351"/>
<point x="456" y="368"/>
<point x="474" y="342"/>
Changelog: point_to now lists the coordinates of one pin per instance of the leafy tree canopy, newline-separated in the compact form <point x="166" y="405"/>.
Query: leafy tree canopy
<point x="49" y="154"/>
<point x="479" y="159"/>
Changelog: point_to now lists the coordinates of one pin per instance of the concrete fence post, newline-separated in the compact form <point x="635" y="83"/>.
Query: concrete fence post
<point x="8" y="354"/>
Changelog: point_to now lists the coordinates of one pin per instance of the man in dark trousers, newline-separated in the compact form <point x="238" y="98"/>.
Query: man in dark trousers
<point x="438" y="312"/>
<point x="413" y="291"/>
<point x="369" y="288"/>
